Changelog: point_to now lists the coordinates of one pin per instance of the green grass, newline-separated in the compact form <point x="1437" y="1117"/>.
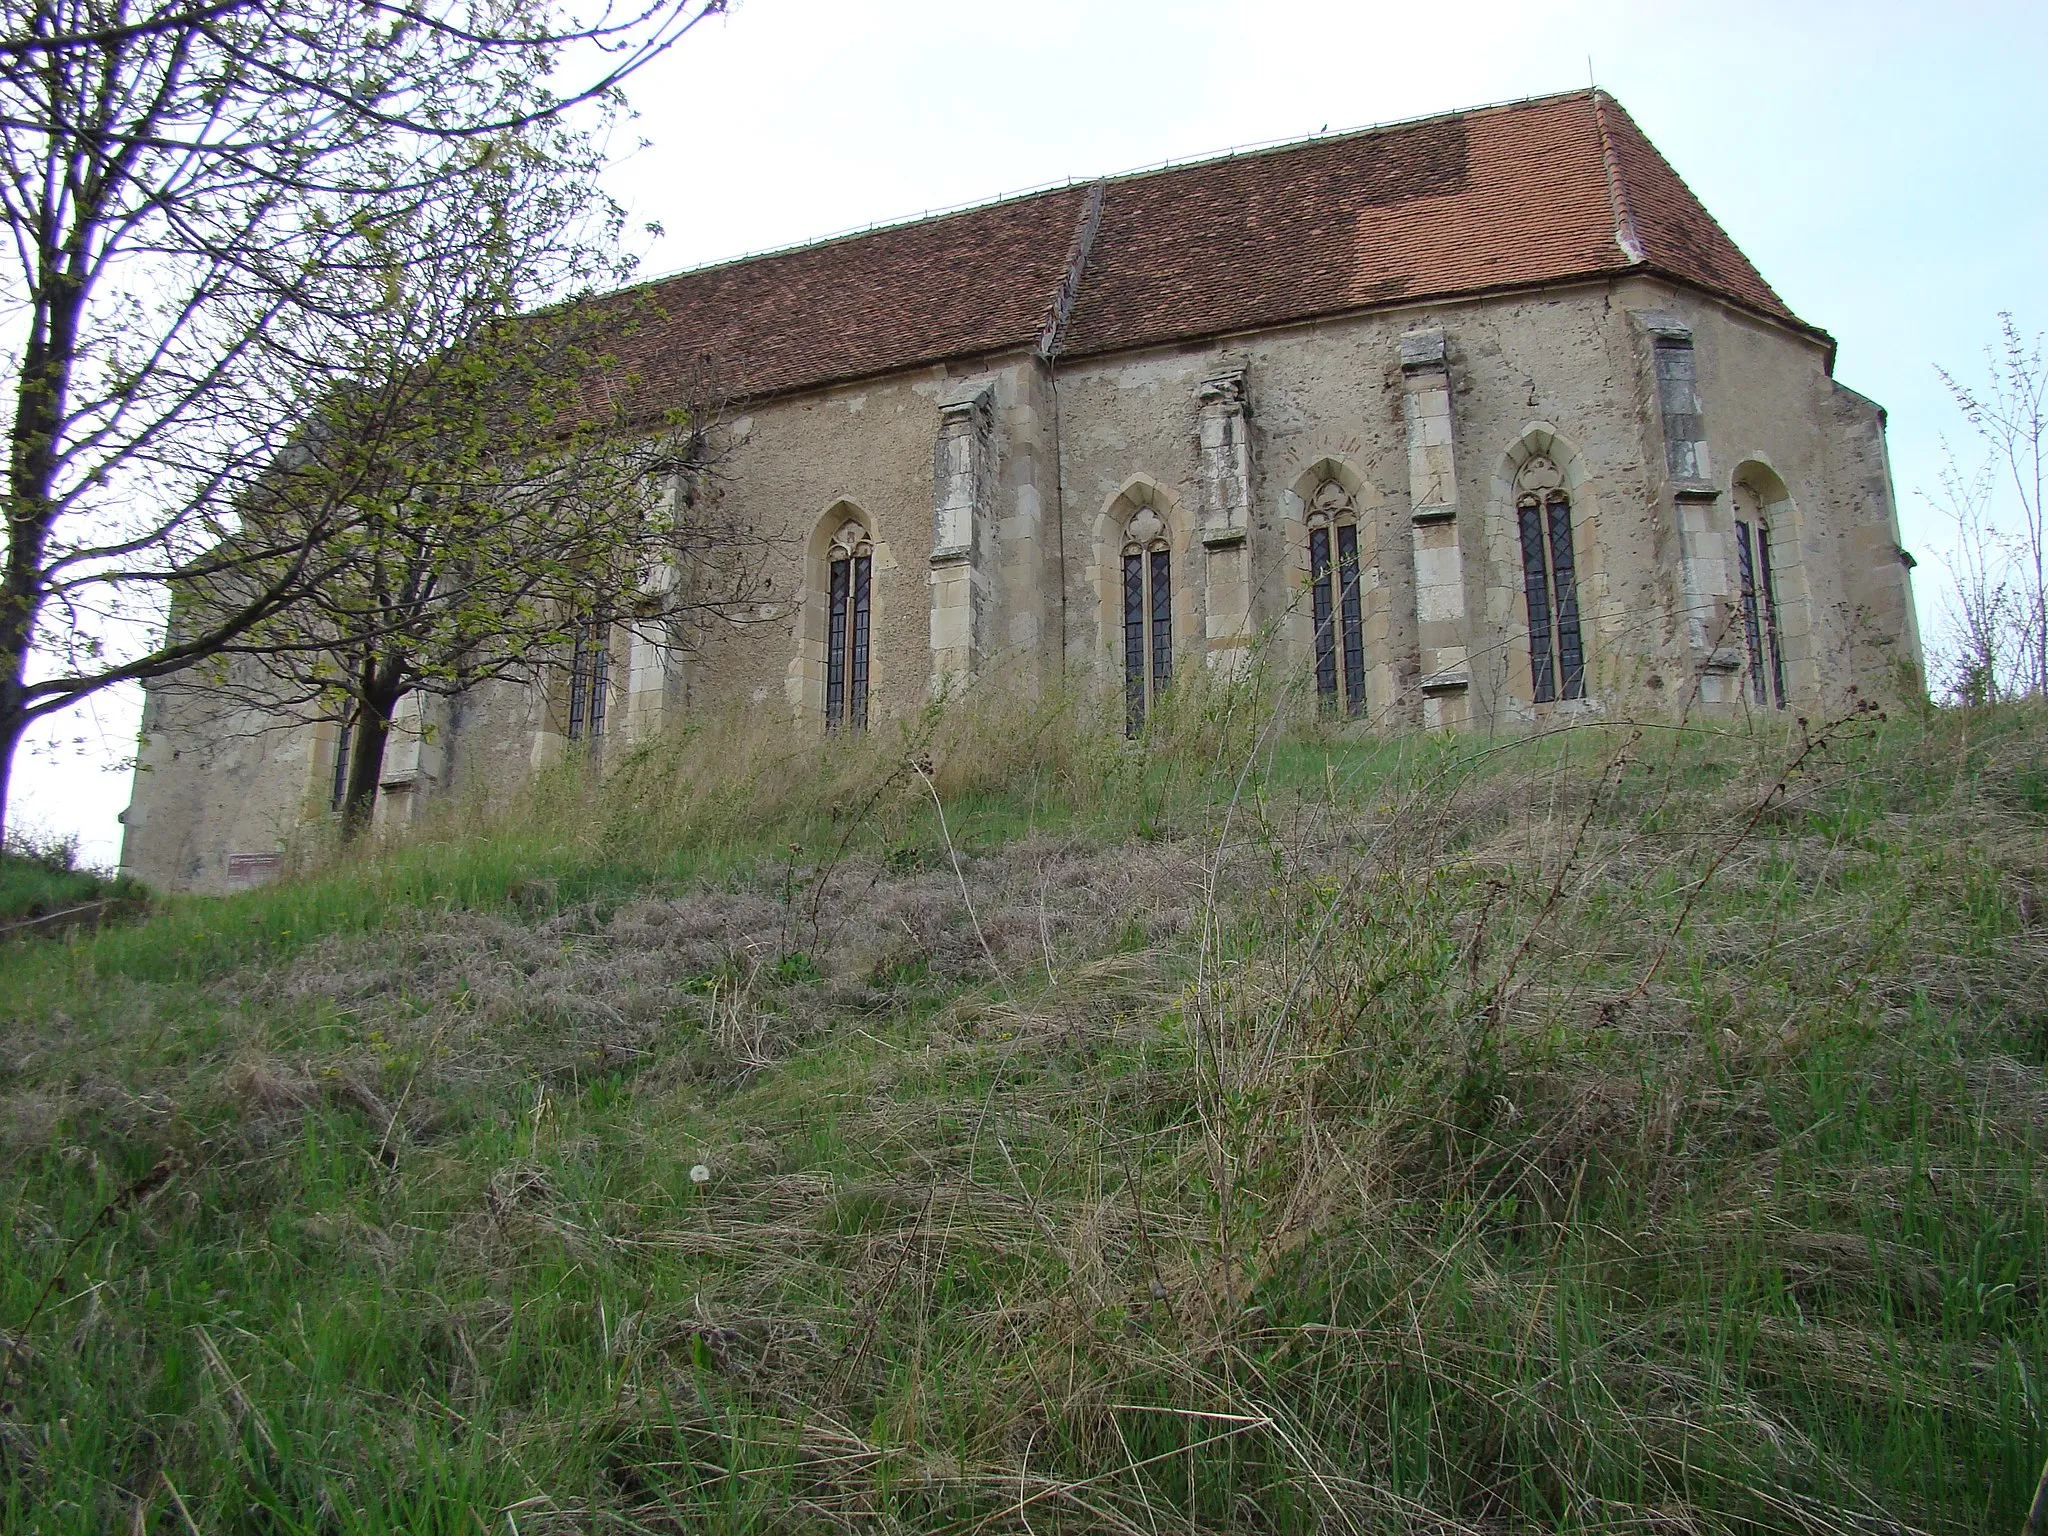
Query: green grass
<point x="1297" y="1133"/>
<point x="38" y="885"/>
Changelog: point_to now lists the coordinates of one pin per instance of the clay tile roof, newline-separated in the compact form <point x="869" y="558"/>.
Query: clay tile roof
<point x="1535" y="192"/>
<point x="978" y="281"/>
<point x="1678" y="235"/>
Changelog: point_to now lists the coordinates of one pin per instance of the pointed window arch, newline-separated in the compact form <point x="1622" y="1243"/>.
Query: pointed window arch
<point x="1332" y="521"/>
<point x="1148" y="615"/>
<point x="850" y="565"/>
<point x="1543" y="511"/>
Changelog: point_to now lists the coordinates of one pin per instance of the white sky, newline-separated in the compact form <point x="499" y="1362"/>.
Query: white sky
<point x="1884" y="165"/>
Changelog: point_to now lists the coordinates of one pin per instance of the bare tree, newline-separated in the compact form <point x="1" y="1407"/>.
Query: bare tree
<point x="208" y="203"/>
<point x="511" y="501"/>
<point x="1983" y="630"/>
<point x="2004" y="576"/>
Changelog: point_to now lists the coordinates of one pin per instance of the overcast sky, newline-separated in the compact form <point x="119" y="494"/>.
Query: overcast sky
<point x="1884" y="165"/>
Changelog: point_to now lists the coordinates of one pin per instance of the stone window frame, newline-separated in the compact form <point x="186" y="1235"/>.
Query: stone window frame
<point x="808" y="668"/>
<point x="1138" y="495"/>
<point x="1601" y="619"/>
<point x="1546" y="540"/>
<point x="849" y="625"/>
<point x="554" y="711"/>
<point x="1366" y="510"/>
<point x="591" y="674"/>
<point x="1781" y="513"/>
<point x="326" y="759"/>
<point x="343" y="738"/>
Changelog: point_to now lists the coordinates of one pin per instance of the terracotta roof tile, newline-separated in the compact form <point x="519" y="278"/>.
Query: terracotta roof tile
<point x="1485" y="200"/>
<point x="1496" y="198"/>
<point x="1678" y="235"/>
<point x="978" y="281"/>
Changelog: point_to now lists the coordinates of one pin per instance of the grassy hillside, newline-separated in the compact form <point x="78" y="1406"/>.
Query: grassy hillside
<point x="46" y="882"/>
<point x="992" y="1126"/>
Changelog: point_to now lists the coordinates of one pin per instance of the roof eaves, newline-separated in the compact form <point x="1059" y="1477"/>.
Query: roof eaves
<point x="1786" y="320"/>
<point x="1460" y="295"/>
<point x="748" y="399"/>
<point x="1352" y="311"/>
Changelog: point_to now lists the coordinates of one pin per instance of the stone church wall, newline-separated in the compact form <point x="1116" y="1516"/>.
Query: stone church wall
<point x="996" y="495"/>
<point x="217" y="794"/>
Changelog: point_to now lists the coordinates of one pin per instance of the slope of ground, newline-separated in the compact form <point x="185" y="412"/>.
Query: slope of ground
<point x="998" y="1127"/>
<point x="39" y="883"/>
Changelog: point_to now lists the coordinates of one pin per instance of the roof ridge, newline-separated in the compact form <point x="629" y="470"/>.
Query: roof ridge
<point x="1264" y="147"/>
<point x="1478" y="201"/>
<point x="1767" y="299"/>
<point x="1169" y="166"/>
<point x="1069" y="290"/>
<point x="1625" y="234"/>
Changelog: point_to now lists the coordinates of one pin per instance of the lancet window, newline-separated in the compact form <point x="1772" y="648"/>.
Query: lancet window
<point x="1557" y="658"/>
<point x="850" y="582"/>
<point x="1333" y="587"/>
<point x="1760" y="612"/>
<point x="342" y="743"/>
<point x="1148" y="616"/>
<point x="590" y="639"/>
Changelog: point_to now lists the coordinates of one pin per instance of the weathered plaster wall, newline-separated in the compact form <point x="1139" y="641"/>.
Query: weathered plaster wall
<point x="1568" y="375"/>
<point x="1774" y="418"/>
<point x="1329" y="398"/>
<point x="212" y="785"/>
<point x="1016" y="566"/>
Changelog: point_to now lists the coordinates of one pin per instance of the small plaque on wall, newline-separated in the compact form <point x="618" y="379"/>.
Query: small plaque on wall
<point x="252" y="867"/>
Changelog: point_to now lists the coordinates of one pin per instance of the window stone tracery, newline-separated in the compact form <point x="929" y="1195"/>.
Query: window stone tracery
<point x="1331" y="518"/>
<point x="1148" y="615"/>
<point x="849" y="588"/>
<point x="1543" y="513"/>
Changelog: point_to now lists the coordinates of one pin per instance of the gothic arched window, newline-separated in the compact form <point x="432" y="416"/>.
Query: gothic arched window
<point x="851" y="577"/>
<point x="1333" y="585"/>
<point x="1759" y="600"/>
<point x="344" y="742"/>
<point x="1148" y="615"/>
<point x="590" y="667"/>
<point x="1557" y="657"/>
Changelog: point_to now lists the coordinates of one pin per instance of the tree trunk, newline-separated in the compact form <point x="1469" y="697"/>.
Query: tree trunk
<point x="13" y="726"/>
<point x="42" y="394"/>
<point x="378" y="691"/>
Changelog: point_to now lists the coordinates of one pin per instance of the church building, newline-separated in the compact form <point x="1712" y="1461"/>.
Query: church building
<point x="1477" y="421"/>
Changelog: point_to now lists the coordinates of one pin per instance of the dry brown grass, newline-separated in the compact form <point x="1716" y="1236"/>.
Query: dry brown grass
<point x="1577" y="1134"/>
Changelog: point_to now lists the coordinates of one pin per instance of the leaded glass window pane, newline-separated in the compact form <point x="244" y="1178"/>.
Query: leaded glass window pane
<point x="835" y="646"/>
<point x="1161" y="595"/>
<point x="1752" y="618"/>
<point x="858" y="703"/>
<point x="1325" y="612"/>
<point x="1134" y="641"/>
<point x="1351" y="613"/>
<point x="1571" y="661"/>
<point x="1536" y="589"/>
<point x="1769" y="588"/>
<point x="341" y="750"/>
<point x="589" y="675"/>
<point x="578" y="687"/>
